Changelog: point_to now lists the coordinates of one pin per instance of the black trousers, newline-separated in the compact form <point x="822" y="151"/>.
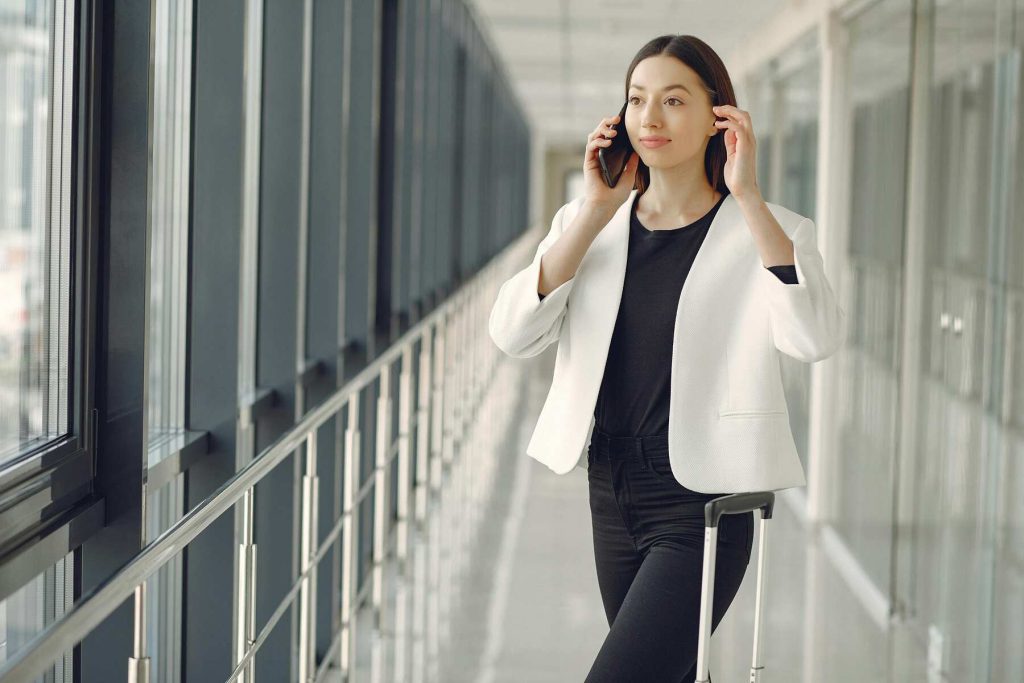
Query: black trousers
<point x="649" y="548"/>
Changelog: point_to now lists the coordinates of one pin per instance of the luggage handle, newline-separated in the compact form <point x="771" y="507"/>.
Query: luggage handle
<point x="732" y="504"/>
<point x="737" y="504"/>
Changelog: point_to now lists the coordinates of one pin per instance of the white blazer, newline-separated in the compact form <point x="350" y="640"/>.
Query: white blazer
<point x="728" y="429"/>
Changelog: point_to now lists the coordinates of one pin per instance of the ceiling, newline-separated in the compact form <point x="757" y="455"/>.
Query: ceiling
<point x="568" y="58"/>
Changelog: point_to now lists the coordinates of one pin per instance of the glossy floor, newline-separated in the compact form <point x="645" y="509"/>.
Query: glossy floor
<point x="524" y="605"/>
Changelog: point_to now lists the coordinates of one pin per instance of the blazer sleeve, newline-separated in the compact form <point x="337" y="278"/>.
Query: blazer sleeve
<point x="806" y="320"/>
<point x="522" y="323"/>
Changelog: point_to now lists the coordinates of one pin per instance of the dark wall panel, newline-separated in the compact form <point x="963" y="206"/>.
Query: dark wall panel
<point x="120" y="323"/>
<point x="213" y="346"/>
<point x="276" y="363"/>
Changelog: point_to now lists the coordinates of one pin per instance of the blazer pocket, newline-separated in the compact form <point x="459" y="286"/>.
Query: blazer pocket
<point x="747" y="412"/>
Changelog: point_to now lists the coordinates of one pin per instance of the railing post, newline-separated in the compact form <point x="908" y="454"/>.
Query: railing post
<point x="381" y="491"/>
<point x="245" y="582"/>
<point x="424" y="412"/>
<point x="404" y="448"/>
<point x="138" y="664"/>
<point x="437" y="404"/>
<point x="309" y="538"/>
<point x="349" y="567"/>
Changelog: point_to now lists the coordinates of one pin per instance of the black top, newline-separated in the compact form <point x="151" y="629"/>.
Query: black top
<point x="635" y="389"/>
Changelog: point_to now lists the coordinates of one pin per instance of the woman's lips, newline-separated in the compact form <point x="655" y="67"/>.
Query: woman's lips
<point x="652" y="144"/>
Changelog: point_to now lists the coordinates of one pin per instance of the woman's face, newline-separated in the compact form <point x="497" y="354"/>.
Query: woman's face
<point x="657" y="109"/>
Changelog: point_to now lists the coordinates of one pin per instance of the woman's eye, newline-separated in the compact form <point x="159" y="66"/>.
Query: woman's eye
<point x="671" y="99"/>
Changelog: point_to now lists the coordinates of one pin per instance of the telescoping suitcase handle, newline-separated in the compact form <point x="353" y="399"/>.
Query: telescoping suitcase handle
<point x="733" y="504"/>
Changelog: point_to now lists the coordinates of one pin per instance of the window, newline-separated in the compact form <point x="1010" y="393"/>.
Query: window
<point x="35" y="226"/>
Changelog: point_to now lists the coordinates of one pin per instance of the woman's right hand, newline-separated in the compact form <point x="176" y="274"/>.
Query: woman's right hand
<point x="597" y="190"/>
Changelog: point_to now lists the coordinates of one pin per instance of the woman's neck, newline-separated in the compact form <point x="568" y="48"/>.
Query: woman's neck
<point x="656" y="213"/>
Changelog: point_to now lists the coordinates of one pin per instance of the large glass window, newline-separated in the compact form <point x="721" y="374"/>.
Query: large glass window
<point x="783" y="98"/>
<point x="35" y="606"/>
<point x="171" y="107"/>
<point x="959" y="552"/>
<point x="36" y="76"/>
<point x="169" y="224"/>
<point x="35" y="230"/>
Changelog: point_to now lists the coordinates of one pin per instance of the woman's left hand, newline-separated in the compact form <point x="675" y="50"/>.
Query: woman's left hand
<point x="740" y="147"/>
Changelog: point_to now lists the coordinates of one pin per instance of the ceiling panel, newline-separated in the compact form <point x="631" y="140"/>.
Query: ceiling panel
<point x="568" y="58"/>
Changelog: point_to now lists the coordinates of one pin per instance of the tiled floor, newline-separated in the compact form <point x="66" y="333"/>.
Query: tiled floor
<point x="526" y="606"/>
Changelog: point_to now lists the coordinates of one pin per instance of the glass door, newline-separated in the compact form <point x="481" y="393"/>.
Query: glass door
<point x="956" y="466"/>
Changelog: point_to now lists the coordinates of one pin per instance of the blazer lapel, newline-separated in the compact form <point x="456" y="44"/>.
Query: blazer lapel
<point x="608" y="256"/>
<point x="603" y="268"/>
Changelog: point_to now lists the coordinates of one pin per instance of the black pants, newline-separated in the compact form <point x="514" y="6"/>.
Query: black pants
<point x="649" y="547"/>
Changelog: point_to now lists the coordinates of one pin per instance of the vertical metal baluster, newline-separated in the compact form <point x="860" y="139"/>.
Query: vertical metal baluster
<point x="349" y="542"/>
<point x="302" y="623"/>
<point x="402" y="536"/>
<point x="381" y="492"/>
<point x="301" y="667"/>
<point x="436" y="520"/>
<point x="245" y="583"/>
<point x="381" y="521"/>
<point x="432" y="588"/>
<point x="456" y="507"/>
<point x="138" y="663"/>
<point x="450" y="378"/>
<point x="424" y="411"/>
<point x="245" y="564"/>
<point x="337" y="565"/>
<point x="437" y="407"/>
<point x="307" y="593"/>
<point x="424" y="440"/>
<point x="475" y="425"/>
<point x="404" y="445"/>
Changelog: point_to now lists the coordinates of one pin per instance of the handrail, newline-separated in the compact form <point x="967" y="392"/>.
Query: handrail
<point x="96" y="605"/>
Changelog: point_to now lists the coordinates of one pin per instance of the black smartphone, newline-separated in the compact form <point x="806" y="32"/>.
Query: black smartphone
<point x="613" y="158"/>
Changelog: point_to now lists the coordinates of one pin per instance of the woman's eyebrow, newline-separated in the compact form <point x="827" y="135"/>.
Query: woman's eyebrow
<point x="667" y="88"/>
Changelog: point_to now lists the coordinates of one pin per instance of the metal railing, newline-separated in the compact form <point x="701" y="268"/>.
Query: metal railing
<point x="452" y="371"/>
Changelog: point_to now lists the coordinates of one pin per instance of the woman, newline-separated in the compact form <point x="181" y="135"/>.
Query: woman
<point x="681" y="386"/>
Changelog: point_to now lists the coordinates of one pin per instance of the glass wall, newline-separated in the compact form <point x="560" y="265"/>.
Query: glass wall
<point x="166" y="356"/>
<point x="922" y="481"/>
<point x="270" y="197"/>
<point x="35" y="229"/>
<point x="960" y="560"/>
<point x="876" y="115"/>
<point x="37" y="70"/>
<point x="35" y="606"/>
<point x="783" y="99"/>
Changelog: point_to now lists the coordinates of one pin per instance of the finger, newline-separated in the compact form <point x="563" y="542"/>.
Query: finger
<point x="734" y="114"/>
<point x="736" y="127"/>
<point x="598" y="142"/>
<point x="607" y="122"/>
<point x="725" y="110"/>
<point x="730" y="116"/>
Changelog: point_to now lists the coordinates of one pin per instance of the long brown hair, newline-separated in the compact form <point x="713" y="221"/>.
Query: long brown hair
<point x="698" y="55"/>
